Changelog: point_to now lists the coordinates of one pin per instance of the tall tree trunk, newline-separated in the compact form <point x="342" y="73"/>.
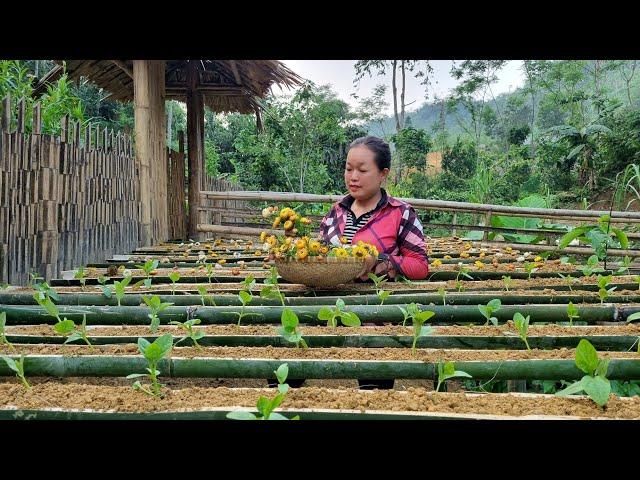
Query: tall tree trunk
<point x="395" y="96"/>
<point x="402" y="69"/>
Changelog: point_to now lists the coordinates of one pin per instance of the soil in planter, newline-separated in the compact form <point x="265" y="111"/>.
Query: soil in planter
<point x="333" y="353"/>
<point x="471" y="330"/>
<point x="125" y="399"/>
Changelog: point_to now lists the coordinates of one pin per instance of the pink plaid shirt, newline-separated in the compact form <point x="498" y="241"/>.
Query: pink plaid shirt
<point x="394" y="228"/>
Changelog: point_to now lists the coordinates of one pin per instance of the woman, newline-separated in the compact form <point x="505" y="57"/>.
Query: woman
<point x="369" y="214"/>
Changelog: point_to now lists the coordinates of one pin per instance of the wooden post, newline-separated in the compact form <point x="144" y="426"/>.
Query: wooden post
<point x="455" y="222"/>
<point x="148" y="80"/>
<point x="195" y="145"/>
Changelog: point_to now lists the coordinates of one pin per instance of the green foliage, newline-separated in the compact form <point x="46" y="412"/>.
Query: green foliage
<point x="331" y="315"/>
<point x="601" y="237"/>
<point x="3" y="324"/>
<point x="153" y="353"/>
<point x="264" y="405"/>
<point x="572" y="313"/>
<point x="120" y="287"/>
<point x="522" y="325"/>
<point x="191" y="333"/>
<point x="507" y="282"/>
<point x="174" y="277"/>
<point x="378" y="281"/>
<point x="446" y="371"/>
<point x="595" y="383"/>
<point x="156" y="306"/>
<point x="18" y="367"/>
<point x="289" y="329"/>
<point x="488" y="310"/>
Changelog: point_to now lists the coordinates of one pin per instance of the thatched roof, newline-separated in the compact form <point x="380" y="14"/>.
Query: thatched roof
<point x="227" y="85"/>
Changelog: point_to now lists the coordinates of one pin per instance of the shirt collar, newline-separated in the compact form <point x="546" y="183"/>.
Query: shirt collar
<point x="347" y="201"/>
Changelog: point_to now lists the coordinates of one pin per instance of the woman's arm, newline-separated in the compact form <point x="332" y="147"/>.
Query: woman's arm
<point x="411" y="259"/>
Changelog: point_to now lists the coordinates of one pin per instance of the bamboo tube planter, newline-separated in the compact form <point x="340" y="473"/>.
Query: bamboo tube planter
<point x="123" y="365"/>
<point x="107" y="315"/>
<point x="452" y="298"/>
<point x="600" y="342"/>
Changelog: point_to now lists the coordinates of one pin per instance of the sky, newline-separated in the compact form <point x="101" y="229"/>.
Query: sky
<point x="340" y="74"/>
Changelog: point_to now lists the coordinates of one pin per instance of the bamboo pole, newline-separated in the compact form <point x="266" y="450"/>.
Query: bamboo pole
<point x="618" y="343"/>
<point x="440" y="205"/>
<point x="107" y="315"/>
<point x="122" y="365"/>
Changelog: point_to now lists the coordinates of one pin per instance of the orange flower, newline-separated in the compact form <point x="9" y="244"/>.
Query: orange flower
<point x="302" y="253"/>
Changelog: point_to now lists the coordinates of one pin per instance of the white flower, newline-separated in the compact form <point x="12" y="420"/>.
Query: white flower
<point x="266" y="247"/>
<point x="237" y="254"/>
<point x="520" y="259"/>
<point x="126" y="272"/>
<point x="217" y="266"/>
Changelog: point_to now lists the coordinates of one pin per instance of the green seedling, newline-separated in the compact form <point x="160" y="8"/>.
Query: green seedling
<point x="331" y="315"/>
<point x="62" y="326"/>
<point x="569" y="280"/>
<point x="443" y="294"/>
<point x="174" y="277"/>
<point x="148" y="267"/>
<point x="410" y="312"/>
<point x="522" y="324"/>
<point x="272" y="288"/>
<point x="34" y="277"/>
<point x="459" y="286"/>
<point x="203" y="296"/>
<point x="591" y="266"/>
<point x="530" y="267"/>
<point x="156" y="306"/>
<point x="488" y="309"/>
<point x="265" y="406"/>
<point x="623" y="269"/>
<point x="81" y="275"/>
<point x="462" y="271"/>
<point x="601" y="237"/>
<point x="153" y="353"/>
<point x="245" y="298"/>
<point x="106" y="289"/>
<point x="378" y="281"/>
<point x="603" y="291"/>
<point x="572" y="313"/>
<point x="44" y="290"/>
<point x="418" y="327"/>
<point x="191" y="333"/>
<point x="507" y="282"/>
<point x="120" y="287"/>
<point x="289" y="329"/>
<point x="595" y="383"/>
<point x="249" y="284"/>
<point x="78" y="333"/>
<point x="18" y="367"/>
<point x="209" y="271"/>
<point x="633" y="317"/>
<point x="637" y="280"/>
<point x="3" y="338"/>
<point x="447" y="371"/>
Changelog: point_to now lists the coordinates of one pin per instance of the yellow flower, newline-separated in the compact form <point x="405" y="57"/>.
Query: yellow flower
<point x="257" y="253"/>
<point x="214" y="255"/>
<point x="324" y="249"/>
<point x="478" y="264"/>
<point x="272" y="240"/>
<point x="437" y="262"/>
<point x="293" y="217"/>
<point x="284" y="247"/>
<point x="305" y="220"/>
<point x="263" y="235"/>
<point x="447" y="257"/>
<point x="464" y="255"/>
<point x="288" y="240"/>
<point x="276" y="222"/>
<point x="343" y="240"/>
<point x="218" y="242"/>
<point x="314" y="246"/>
<point x="288" y="225"/>
<point x="359" y="252"/>
<point x="482" y="255"/>
<point x="302" y="253"/>
<point x="300" y="243"/>
<point x="285" y="213"/>
<point x="222" y="261"/>
<point x="467" y="246"/>
<point x="538" y="259"/>
<point x="340" y="252"/>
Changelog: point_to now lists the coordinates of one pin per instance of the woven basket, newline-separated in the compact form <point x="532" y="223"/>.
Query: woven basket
<point x="327" y="272"/>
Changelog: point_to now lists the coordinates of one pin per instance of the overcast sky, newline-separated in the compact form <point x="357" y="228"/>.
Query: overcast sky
<point x="340" y="74"/>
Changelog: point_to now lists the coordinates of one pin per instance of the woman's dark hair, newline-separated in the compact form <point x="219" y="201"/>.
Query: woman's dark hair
<point x="379" y="147"/>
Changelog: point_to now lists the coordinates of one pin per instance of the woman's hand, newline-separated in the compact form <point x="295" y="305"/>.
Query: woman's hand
<point x="379" y="268"/>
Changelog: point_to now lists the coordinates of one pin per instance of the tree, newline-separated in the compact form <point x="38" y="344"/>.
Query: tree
<point x="412" y="146"/>
<point x="366" y="67"/>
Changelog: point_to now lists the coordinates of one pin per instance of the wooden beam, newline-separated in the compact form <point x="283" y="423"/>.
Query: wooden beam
<point x="195" y="145"/>
<point x="236" y="74"/>
<point x="124" y="68"/>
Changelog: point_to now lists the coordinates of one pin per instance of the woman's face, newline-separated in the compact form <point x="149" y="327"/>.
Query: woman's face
<point x="361" y="173"/>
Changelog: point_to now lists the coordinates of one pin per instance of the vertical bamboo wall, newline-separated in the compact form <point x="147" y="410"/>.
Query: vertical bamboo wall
<point x="220" y="185"/>
<point x="176" y="187"/>
<point x="64" y="201"/>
